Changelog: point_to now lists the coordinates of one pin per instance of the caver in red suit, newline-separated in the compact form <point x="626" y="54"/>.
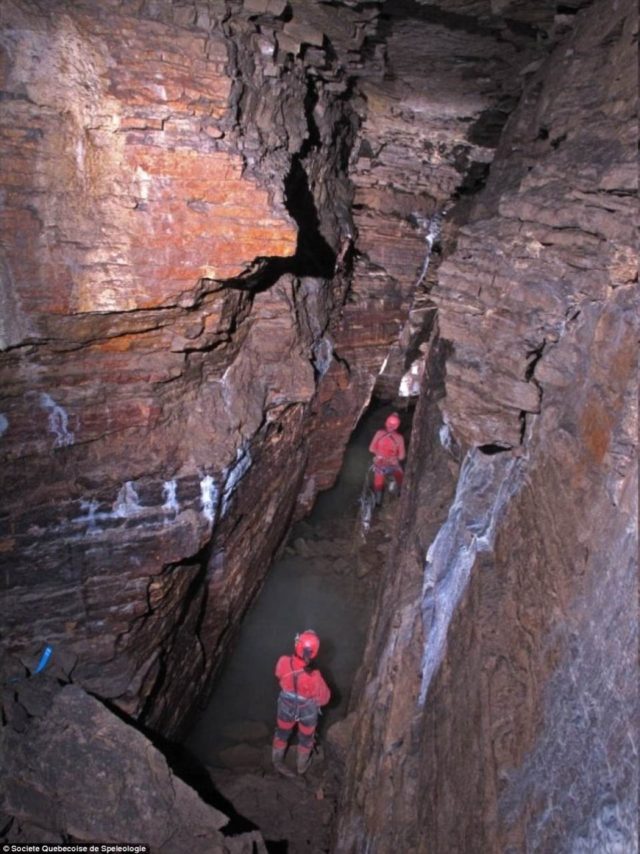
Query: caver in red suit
<point x="387" y="447"/>
<point x="302" y="692"/>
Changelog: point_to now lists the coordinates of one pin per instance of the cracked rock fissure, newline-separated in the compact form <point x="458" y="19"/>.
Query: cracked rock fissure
<point x="217" y="254"/>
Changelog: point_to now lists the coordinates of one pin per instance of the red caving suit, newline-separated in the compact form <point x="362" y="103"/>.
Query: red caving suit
<point x="387" y="447"/>
<point x="302" y="692"/>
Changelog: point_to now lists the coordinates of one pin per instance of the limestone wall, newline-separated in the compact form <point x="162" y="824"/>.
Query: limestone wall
<point x="502" y="670"/>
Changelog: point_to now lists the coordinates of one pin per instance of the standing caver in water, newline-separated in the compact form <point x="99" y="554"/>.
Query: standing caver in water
<point x="302" y="692"/>
<point x="387" y="447"/>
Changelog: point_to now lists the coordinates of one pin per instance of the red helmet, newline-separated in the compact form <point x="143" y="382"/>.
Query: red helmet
<point x="392" y="422"/>
<point x="307" y="645"/>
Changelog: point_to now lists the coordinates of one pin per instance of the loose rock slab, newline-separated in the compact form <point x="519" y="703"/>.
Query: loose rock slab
<point x="82" y="770"/>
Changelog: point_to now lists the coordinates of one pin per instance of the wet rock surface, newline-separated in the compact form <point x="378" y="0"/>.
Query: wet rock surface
<point x="121" y="123"/>
<point x="225" y="225"/>
<point x="296" y="812"/>
<point x="431" y="122"/>
<point x="550" y="235"/>
<point x="181" y="327"/>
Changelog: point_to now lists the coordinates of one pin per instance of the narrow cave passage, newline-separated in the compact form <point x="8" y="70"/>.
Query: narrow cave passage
<point x="223" y="220"/>
<point x="325" y="579"/>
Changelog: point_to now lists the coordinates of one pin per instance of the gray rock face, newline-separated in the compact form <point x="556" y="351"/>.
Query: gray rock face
<point x="552" y="233"/>
<point x="502" y="688"/>
<point x="428" y="135"/>
<point x="81" y="772"/>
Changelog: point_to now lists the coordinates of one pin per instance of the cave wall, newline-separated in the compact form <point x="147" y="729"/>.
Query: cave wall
<point x="500" y="684"/>
<point x="215" y="216"/>
<point x="175" y="241"/>
<point x="431" y="122"/>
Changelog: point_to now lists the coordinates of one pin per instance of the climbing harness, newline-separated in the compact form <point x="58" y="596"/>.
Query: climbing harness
<point x="295" y="695"/>
<point x="295" y="708"/>
<point x="378" y="463"/>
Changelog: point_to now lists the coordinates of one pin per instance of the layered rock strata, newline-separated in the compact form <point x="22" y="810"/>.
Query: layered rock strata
<point x="182" y="327"/>
<point x="502" y="671"/>
<point x="427" y="139"/>
<point x="188" y="322"/>
<point x="175" y="229"/>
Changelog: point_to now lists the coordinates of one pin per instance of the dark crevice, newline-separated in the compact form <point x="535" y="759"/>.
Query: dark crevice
<point x="487" y="129"/>
<point x="187" y="768"/>
<point x="356" y="5"/>
<point x="194" y="590"/>
<point x="342" y="361"/>
<point x="493" y="448"/>
<point x="412" y="9"/>
<point x="619" y="192"/>
<point x="474" y="180"/>
<point x="313" y="139"/>
<point x="534" y="355"/>
<point x="15" y="96"/>
<point x="314" y="256"/>
<point x="422" y="337"/>
<point x="614" y="35"/>
<point x="267" y="18"/>
<point x="364" y="150"/>
<point x="523" y="425"/>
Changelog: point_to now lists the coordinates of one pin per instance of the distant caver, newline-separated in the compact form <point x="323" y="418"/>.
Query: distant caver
<point x="387" y="447"/>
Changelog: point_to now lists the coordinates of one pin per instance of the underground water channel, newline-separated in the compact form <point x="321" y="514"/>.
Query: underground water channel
<point x="324" y="580"/>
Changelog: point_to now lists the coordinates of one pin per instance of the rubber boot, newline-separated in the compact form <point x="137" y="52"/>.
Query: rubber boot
<point x="378" y="495"/>
<point x="277" y="757"/>
<point x="303" y="760"/>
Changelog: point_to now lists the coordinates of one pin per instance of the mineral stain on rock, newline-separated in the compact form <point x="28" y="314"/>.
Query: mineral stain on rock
<point x="214" y="227"/>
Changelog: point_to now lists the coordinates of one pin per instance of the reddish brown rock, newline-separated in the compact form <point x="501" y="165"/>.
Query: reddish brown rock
<point x="131" y="201"/>
<point x="165" y="326"/>
<point x="420" y="142"/>
<point x="558" y="236"/>
<point x="192" y="322"/>
<point x="501" y="689"/>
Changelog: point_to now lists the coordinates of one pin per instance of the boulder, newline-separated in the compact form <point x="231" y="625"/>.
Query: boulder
<point x="81" y="770"/>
